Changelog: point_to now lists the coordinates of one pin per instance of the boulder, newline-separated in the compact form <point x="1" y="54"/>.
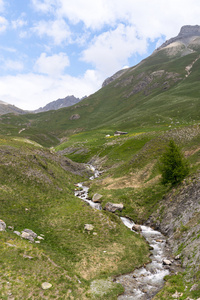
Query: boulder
<point x="167" y="262"/>
<point x="30" y="232"/>
<point x="96" y="197"/>
<point x="88" y="227"/>
<point x="46" y="285"/>
<point x="17" y="233"/>
<point x="113" y="207"/>
<point x="136" y="227"/>
<point x="2" y="225"/>
<point x="27" y="236"/>
<point x="75" y="117"/>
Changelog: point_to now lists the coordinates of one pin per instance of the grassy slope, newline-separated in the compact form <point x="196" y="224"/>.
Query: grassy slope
<point x="116" y="107"/>
<point x="37" y="193"/>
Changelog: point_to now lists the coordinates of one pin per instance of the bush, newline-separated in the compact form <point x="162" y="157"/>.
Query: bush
<point x="173" y="165"/>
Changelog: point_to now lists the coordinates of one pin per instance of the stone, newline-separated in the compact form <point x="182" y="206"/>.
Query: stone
<point x="30" y="232"/>
<point x="136" y="227"/>
<point x="96" y="197"/>
<point x="167" y="262"/>
<point x="194" y="287"/>
<point x="88" y="227"/>
<point x="113" y="207"/>
<point x="27" y="236"/>
<point x="177" y="257"/>
<point x="2" y="225"/>
<point x="40" y="237"/>
<point x="17" y="233"/>
<point x="27" y="256"/>
<point x="75" y="117"/>
<point x="46" y="285"/>
<point x="11" y="227"/>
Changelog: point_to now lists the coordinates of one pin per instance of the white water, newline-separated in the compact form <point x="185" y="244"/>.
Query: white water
<point x="143" y="283"/>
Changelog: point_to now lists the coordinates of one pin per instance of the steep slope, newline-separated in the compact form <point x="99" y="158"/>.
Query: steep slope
<point x="162" y="89"/>
<point x="37" y="193"/>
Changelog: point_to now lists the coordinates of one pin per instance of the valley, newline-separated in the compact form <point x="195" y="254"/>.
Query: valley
<point x="44" y="155"/>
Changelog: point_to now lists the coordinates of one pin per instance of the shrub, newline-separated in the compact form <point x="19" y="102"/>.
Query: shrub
<point x="173" y="165"/>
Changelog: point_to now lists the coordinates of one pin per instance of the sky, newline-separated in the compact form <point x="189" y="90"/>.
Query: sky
<point x="50" y="49"/>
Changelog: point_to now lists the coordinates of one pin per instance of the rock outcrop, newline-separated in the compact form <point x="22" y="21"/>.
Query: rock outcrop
<point x="185" y="36"/>
<point x="113" y="207"/>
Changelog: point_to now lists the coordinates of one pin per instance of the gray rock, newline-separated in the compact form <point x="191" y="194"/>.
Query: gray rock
<point x="136" y="227"/>
<point x="113" y="207"/>
<point x="96" y="197"/>
<point x="88" y="227"/>
<point x="11" y="227"/>
<point x="75" y="117"/>
<point x="46" y="285"/>
<point x="194" y="287"/>
<point x="2" y="225"/>
<point x="17" y="233"/>
<point x="30" y="232"/>
<point x="27" y="236"/>
<point x="167" y="262"/>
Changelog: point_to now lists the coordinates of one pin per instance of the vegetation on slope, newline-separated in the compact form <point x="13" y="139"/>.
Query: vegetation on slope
<point x="37" y="193"/>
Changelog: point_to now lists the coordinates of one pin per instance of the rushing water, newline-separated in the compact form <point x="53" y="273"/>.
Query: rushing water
<point x="145" y="282"/>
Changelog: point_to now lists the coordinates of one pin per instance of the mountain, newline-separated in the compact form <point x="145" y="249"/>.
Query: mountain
<point x="6" y="108"/>
<point x="57" y="104"/>
<point x="44" y="155"/>
<point x="161" y="90"/>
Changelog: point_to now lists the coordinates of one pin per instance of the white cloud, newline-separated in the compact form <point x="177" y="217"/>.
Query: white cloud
<point x="13" y="65"/>
<point x="20" y="22"/>
<point x="58" y="30"/>
<point x="110" y="51"/>
<point x="52" y="65"/>
<point x="3" y="24"/>
<point x="45" y="5"/>
<point x="38" y="90"/>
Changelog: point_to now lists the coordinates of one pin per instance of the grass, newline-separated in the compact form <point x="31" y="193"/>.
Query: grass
<point x="37" y="193"/>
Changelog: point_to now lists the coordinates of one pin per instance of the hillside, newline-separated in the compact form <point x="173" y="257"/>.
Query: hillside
<point x="122" y="130"/>
<point x="163" y="90"/>
<point x="6" y="108"/>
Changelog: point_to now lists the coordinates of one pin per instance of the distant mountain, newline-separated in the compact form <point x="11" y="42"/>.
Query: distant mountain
<point x="163" y="89"/>
<point x="6" y="108"/>
<point x="57" y="104"/>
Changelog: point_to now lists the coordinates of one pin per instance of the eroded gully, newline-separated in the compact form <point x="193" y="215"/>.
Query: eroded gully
<point x="145" y="282"/>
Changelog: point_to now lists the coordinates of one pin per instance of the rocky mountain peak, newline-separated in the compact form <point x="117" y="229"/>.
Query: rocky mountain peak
<point x="189" y="30"/>
<point x="185" y="36"/>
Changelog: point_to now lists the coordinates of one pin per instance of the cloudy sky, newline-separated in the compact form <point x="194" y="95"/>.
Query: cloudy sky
<point x="50" y="49"/>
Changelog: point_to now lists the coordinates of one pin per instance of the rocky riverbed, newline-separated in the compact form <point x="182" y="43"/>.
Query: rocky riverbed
<point x="145" y="282"/>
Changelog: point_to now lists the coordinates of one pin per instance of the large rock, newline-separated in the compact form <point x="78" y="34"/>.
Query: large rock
<point x="46" y="285"/>
<point x="113" y="207"/>
<point x="136" y="227"/>
<point x="88" y="227"/>
<point x="28" y="234"/>
<point x="2" y="225"/>
<point x="96" y="197"/>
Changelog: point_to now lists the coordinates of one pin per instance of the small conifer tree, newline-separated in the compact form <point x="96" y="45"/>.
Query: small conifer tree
<point x="173" y="165"/>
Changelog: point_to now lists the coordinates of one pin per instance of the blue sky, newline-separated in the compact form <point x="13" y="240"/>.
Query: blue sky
<point x="50" y="49"/>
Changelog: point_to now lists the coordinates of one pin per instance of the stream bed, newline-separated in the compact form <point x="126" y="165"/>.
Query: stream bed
<point x="145" y="282"/>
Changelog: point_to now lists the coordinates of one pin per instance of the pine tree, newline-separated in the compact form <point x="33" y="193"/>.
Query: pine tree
<point x="173" y="165"/>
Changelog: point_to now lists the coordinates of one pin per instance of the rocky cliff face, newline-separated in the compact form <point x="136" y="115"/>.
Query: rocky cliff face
<point x="60" y="103"/>
<point x="178" y="217"/>
<point x="186" y="35"/>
